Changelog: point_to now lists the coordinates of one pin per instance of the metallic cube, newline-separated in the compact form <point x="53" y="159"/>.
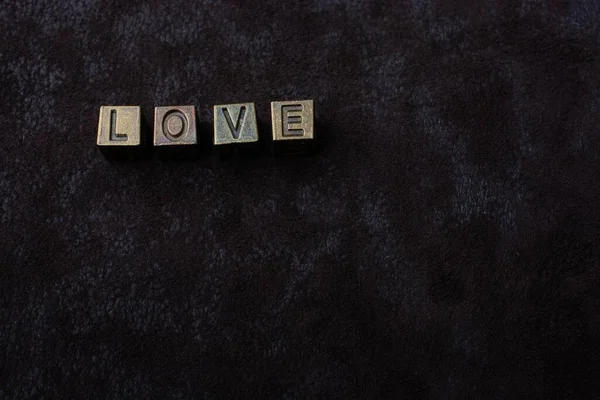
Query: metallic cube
<point x="175" y="126"/>
<point x="235" y="123"/>
<point x="119" y="126"/>
<point x="293" y="120"/>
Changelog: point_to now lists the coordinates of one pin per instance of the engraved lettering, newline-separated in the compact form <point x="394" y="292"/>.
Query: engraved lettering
<point x="292" y="120"/>
<point x="113" y="135"/>
<point x="175" y="124"/>
<point x="237" y="128"/>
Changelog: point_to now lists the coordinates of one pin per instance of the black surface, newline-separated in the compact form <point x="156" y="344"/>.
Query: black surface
<point x="442" y="243"/>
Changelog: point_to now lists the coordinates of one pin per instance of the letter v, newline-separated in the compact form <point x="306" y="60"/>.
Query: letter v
<point x="237" y="128"/>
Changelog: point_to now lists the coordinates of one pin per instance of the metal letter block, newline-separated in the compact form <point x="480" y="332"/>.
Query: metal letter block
<point x="175" y="126"/>
<point x="292" y="120"/>
<point x="119" y="126"/>
<point x="235" y="123"/>
<point x="175" y="131"/>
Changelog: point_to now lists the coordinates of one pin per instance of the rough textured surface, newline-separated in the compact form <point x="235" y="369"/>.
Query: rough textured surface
<point x="443" y="243"/>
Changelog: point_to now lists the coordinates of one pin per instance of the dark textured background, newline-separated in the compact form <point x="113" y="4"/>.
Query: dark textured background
<point x="442" y="243"/>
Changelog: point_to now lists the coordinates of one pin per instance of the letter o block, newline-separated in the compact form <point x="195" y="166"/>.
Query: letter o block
<point x="175" y="126"/>
<point x="175" y="131"/>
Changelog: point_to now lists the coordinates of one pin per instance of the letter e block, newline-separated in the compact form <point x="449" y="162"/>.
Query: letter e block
<point x="292" y="120"/>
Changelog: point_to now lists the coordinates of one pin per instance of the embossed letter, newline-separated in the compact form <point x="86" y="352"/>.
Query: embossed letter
<point x="235" y="123"/>
<point x="119" y="126"/>
<point x="292" y="120"/>
<point x="174" y="125"/>
<point x="113" y="128"/>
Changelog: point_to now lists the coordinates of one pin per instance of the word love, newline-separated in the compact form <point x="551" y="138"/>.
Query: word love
<point x="120" y="127"/>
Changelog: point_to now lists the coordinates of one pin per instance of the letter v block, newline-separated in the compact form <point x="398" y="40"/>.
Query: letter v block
<point x="235" y="123"/>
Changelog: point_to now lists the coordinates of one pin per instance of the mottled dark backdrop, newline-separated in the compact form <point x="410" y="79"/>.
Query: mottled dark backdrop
<point x="443" y="242"/>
